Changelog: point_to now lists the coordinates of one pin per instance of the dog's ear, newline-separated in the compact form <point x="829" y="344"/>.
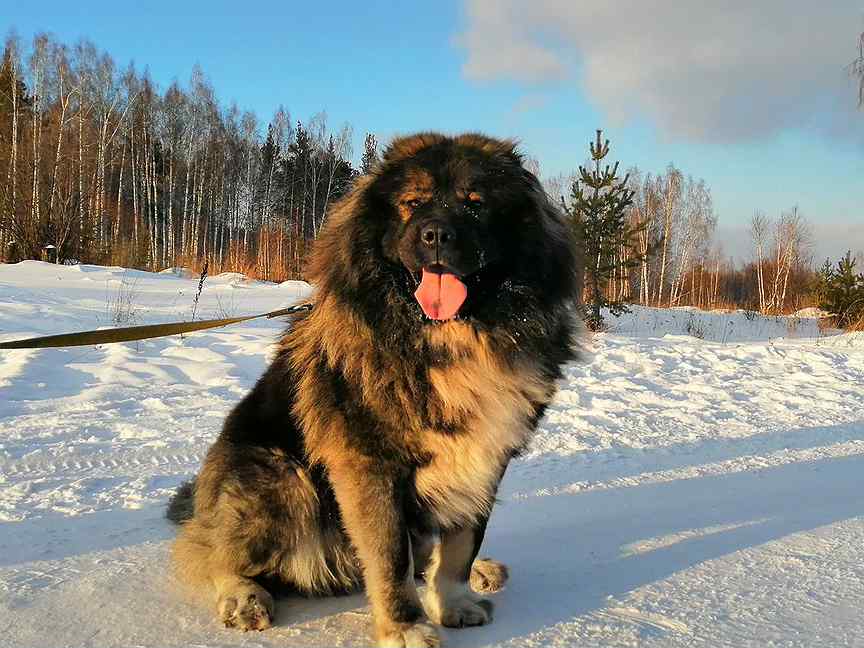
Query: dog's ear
<point x="347" y="254"/>
<point x="556" y="256"/>
<point x="332" y="256"/>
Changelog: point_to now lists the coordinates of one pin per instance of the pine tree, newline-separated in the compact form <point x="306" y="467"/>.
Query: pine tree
<point x="821" y="281"/>
<point x="599" y="200"/>
<point x="370" y="154"/>
<point x="841" y="291"/>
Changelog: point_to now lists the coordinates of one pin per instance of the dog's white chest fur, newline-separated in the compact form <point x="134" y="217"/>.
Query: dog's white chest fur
<point x="498" y="401"/>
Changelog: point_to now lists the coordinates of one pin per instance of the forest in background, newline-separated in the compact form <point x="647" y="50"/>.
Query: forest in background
<point x="99" y="165"/>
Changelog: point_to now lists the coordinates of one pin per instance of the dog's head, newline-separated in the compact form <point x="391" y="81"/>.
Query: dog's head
<point x="447" y="227"/>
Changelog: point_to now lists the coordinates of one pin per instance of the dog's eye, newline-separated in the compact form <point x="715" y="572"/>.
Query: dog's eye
<point x="413" y="204"/>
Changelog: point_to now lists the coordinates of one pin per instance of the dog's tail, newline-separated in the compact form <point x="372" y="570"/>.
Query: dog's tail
<point x="182" y="503"/>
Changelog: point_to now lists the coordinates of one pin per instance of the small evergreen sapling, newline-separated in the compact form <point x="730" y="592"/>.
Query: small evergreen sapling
<point x="841" y="291"/>
<point x="599" y="204"/>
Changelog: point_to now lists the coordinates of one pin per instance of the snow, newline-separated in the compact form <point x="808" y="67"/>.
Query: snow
<point x="812" y="311"/>
<point x="697" y="481"/>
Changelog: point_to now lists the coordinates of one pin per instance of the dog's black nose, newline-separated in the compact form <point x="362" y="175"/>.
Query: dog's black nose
<point x="437" y="234"/>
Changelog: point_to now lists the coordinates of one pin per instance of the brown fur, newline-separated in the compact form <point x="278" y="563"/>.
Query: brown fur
<point x="208" y="547"/>
<point x="372" y="449"/>
<point x="418" y="187"/>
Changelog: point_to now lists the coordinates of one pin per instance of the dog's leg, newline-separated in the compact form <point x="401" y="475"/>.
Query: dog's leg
<point x="449" y="600"/>
<point x="242" y="603"/>
<point x="487" y="576"/>
<point x="422" y="545"/>
<point x="370" y="501"/>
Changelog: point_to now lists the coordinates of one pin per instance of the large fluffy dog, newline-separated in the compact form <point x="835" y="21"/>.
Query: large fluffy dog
<point x="372" y="448"/>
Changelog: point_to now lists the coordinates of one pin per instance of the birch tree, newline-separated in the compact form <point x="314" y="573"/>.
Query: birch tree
<point x="670" y="205"/>
<point x="694" y="234"/>
<point x="13" y="94"/>
<point x="791" y="239"/>
<point x="758" y="233"/>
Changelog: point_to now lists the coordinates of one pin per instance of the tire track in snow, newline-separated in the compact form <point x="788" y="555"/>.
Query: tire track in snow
<point x="29" y="468"/>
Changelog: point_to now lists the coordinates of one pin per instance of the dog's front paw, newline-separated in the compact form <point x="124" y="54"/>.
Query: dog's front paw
<point x="247" y="610"/>
<point x="488" y="576"/>
<point x="460" y="611"/>
<point x="414" y="635"/>
<point x="466" y="612"/>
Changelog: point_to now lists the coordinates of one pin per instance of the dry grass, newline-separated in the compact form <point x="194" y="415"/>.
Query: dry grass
<point x="695" y="327"/>
<point x="120" y="306"/>
<point x="226" y="307"/>
<point x="857" y="325"/>
<point x="240" y="263"/>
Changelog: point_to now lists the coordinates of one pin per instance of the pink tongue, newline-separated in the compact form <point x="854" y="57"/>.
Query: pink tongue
<point x="440" y="295"/>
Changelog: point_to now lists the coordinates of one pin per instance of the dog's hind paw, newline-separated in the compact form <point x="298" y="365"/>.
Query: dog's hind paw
<point x="488" y="576"/>
<point x="247" y="610"/>
<point x="416" y="635"/>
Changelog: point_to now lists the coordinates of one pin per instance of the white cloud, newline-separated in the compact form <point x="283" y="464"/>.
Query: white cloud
<point x="529" y="102"/>
<point x="712" y="71"/>
<point x="497" y="43"/>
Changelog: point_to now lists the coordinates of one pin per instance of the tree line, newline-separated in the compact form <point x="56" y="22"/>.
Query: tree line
<point x="97" y="165"/>
<point x="664" y="250"/>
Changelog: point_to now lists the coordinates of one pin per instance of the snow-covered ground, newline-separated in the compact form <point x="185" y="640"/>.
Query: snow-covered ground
<point x="698" y="481"/>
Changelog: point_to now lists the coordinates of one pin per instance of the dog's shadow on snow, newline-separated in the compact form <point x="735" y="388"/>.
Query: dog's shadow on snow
<point x="54" y="536"/>
<point x="557" y="472"/>
<point x="568" y="553"/>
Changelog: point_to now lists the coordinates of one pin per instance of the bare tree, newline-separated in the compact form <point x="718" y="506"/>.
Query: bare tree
<point x="339" y="149"/>
<point x="61" y="218"/>
<point x="649" y="201"/>
<point x="37" y="78"/>
<point x="792" y="238"/>
<point x="696" y="230"/>
<point x="11" y="224"/>
<point x="759" y="231"/>
<point x="671" y="203"/>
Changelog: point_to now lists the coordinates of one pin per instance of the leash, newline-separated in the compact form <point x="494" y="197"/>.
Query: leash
<point x="131" y="333"/>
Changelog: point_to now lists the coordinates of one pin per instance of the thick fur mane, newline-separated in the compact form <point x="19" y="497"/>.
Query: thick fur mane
<point x="348" y="265"/>
<point x="367" y="334"/>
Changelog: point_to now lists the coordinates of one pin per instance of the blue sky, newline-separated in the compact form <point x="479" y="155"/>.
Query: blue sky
<point x="742" y="121"/>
